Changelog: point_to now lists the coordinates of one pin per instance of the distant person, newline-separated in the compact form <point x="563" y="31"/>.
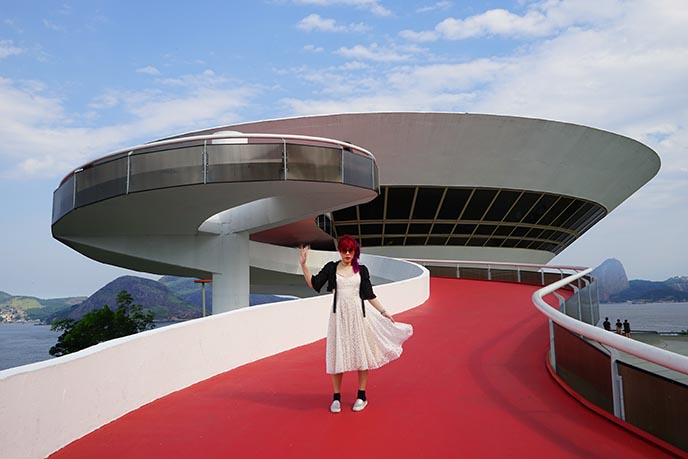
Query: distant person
<point x="619" y="327"/>
<point x="607" y="324"/>
<point x="358" y="338"/>
<point x="627" y="328"/>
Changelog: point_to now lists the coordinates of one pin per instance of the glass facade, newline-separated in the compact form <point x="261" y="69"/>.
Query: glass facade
<point x="472" y="217"/>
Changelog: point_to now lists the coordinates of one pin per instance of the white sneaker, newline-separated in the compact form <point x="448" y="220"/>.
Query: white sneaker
<point x="359" y="405"/>
<point x="336" y="406"/>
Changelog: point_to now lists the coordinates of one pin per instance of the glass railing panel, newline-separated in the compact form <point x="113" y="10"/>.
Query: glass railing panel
<point x="102" y="181"/>
<point x="166" y="168"/>
<point x="504" y="275"/>
<point x="655" y="404"/>
<point x="358" y="170"/>
<point x="306" y="162"/>
<point x="63" y="199"/>
<point x="248" y="162"/>
<point x="531" y="277"/>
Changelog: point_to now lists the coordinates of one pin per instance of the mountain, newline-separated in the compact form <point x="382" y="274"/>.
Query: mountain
<point x="150" y="294"/>
<point x="612" y="278"/>
<point x="188" y="290"/>
<point x="644" y="291"/>
<point x="25" y="308"/>
<point x="614" y="286"/>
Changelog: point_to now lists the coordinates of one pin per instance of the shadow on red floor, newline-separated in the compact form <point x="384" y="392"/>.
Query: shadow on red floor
<point x="471" y="383"/>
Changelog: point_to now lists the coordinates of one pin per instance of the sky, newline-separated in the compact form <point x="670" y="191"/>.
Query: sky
<point x="80" y="79"/>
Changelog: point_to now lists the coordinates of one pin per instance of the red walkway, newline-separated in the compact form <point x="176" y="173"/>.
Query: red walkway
<point x="471" y="383"/>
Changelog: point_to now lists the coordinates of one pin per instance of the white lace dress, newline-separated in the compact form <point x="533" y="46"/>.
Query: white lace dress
<point x="355" y="342"/>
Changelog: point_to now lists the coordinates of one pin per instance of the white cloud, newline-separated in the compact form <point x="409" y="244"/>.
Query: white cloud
<point x="372" y="53"/>
<point x="53" y="26"/>
<point x="7" y="48"/>
<point x="542" y="19"/>
<point x="313" y="48"/>
<point x="316" y="22"/>
<point x="436" y="6"/>
<point x="374" y="6"/>
<point x="41" y="139"/>
<point x="149" y="70"/>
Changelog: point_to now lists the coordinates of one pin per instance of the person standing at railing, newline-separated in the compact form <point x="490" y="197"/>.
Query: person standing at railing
<point x="607" y="324"/>
<point x="627" y="328"/>
<point x="358" y="339"/>
<point x="619" y="326"/>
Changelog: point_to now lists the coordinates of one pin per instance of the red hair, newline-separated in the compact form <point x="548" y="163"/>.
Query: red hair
<point x="348" y="242"/>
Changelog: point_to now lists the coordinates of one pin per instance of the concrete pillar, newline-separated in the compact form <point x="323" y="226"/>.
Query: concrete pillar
<point x="231" y="286"/>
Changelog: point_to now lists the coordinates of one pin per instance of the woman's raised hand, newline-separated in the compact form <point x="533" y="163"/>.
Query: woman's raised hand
<point x="304" y="254"/>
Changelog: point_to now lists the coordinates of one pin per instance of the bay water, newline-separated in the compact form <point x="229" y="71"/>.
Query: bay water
<point x="24" y="343"/>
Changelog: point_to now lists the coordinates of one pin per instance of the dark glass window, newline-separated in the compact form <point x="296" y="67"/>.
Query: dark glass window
<point x="547" y="234"/>
<point x="371" y="242"/>
<point x="374" y="209"/>
<point x="464" y="229"/>
<point x="561" y="205"/>
<point x="522" y="244"/>
<point x="442" y="228"/>
<point x="399" y="203"/>
<point x="457" y="241"/>
<point x="453" y="203"/>
<point x="523" y="205"/>
<point x="485" y="229"/>
<point x="345" y="215"/>
<point x="503" y="230"/>
<point x="371" y="229"/>
<point x="395" y="228"/>
<point x="540" y="208"/>
<point x="574" y="210"/>
<point x="476" y="241"/>
<point x="427" y="201"/>
<point x="510" y="243"/>
<point x="347" y="229"/>
<point x="501" y="205"/>
<point x="493" y="242"/>
<point x="419" y="228"/>
<point x="415" y="240"/>
<point x="534" y="233"/>
<point x="519" y="231"/>
<point x="394" y="241"/>
<point x="437" y="240"/>
<point x="478" y="204"/>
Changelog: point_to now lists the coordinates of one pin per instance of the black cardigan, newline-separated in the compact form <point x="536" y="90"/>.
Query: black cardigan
<point x="329" y="274"/>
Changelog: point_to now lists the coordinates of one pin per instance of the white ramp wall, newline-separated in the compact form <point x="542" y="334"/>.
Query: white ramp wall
<point x="47" y="405"/>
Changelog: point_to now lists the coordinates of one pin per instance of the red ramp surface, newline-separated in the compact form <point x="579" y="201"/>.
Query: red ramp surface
<point x="471" y="383"/>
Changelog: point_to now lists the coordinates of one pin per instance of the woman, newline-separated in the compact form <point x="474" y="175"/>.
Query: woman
<point x="358" y="338"/>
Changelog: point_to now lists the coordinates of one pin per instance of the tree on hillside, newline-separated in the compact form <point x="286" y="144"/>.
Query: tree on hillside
<point x="101" y="325"/>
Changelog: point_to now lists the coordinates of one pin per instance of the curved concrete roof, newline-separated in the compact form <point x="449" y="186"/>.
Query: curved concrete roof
<point x="415" y="148"/>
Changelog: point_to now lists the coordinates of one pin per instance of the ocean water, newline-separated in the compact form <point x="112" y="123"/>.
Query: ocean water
<point x="659" y="317"/>
<point x="24" y="343"/>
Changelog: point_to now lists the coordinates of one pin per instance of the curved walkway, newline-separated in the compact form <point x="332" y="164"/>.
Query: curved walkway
<point x="471" y="383"/>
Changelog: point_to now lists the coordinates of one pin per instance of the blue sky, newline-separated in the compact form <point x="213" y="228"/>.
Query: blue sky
<point x="79" y="79"/>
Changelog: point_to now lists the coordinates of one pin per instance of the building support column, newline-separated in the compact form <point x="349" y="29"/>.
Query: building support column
<point x="231" y="286"/>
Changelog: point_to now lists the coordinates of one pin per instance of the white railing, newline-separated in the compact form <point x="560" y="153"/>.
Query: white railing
<point x="644" y="351"/>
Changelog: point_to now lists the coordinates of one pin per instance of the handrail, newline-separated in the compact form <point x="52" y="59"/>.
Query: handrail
<point x="668" y="359"/>
<point x="496" y="263"/>
<point x="238" y="135"/>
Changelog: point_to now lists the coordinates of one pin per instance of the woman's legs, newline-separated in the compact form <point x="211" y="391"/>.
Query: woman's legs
<point x="362" y="379"/>
<point x="337" y="382"/>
